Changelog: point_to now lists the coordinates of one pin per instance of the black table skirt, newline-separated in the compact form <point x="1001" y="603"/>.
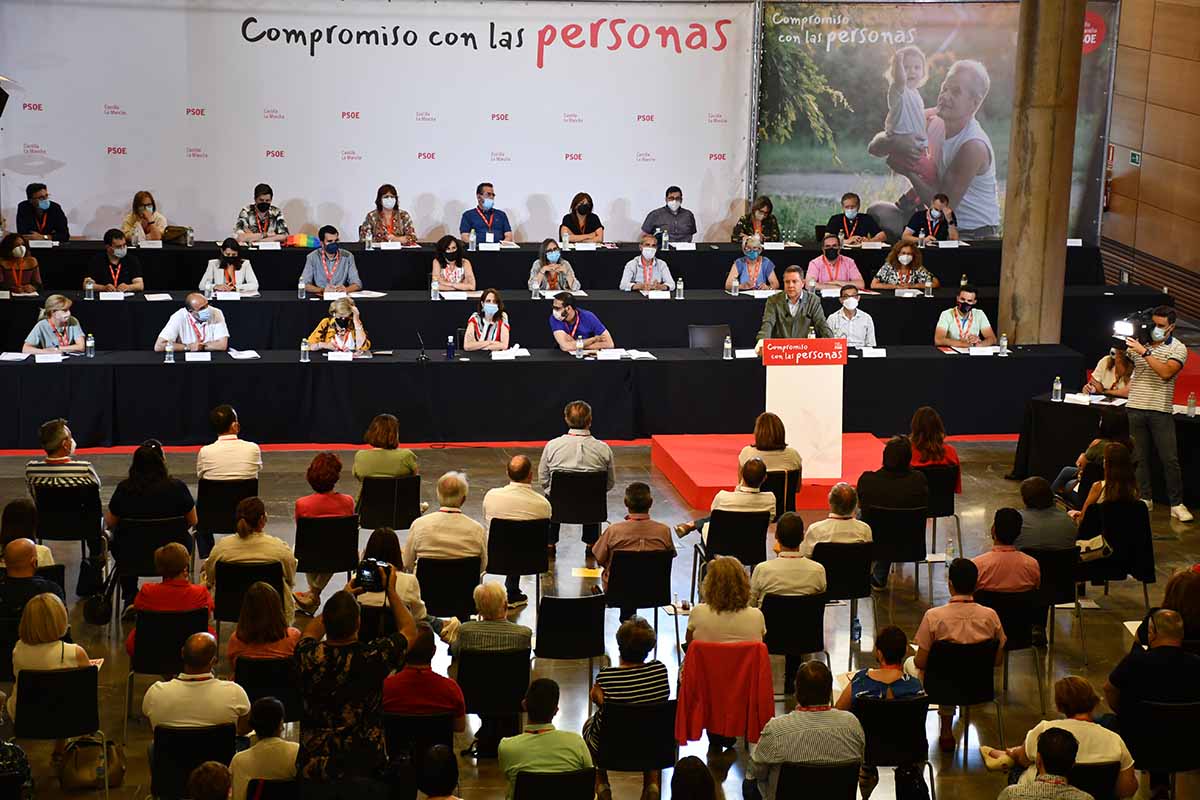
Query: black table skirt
<point x="178" y="267"/>
<point x="1054" y="434"/>
<point x="277" y="320"/>
<point x="125" y="398"/>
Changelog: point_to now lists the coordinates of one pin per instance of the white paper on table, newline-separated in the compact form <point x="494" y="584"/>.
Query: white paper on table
<point x="684" y="245"/>
<point x="745" y="353"/>
<point x="149" y="244"/>
<point x="1074" y="242"/>
<point x="773" y="245"/>
<point x="509" y="245"/>
<point x="488" y="247"/>
<point x="332" y="295"/>
<point x="657" y="294"/>
<point x="1116" y="402"/>
<point x="909" y="293"/>
<point x="339" y="355"/>
<point x="611" y="354"/>
<point x="268" y="245"/>
<point x="873" y="245"/>
<point x="24" y="294"/>
<point x="984" y="351"/>
<point x="453" y="295"/>
<point x="389" y="245"/>
<point x="5" y="294"/>
<point x="504" y="355"/>
<point x="112" y="295"/>
<point x="550" y="294"/>
<point x="228" y="295"/>
<point x="585" y="247"/>
<point x="367" y="294"/>
<point x="948" y="243"/>
<point x="1078" y="398"/>
<point x="874" y="352"/>
<point x="13" y="356"/>
<point x="48" y="358"/>
<point x="962" y="351"/>
<point x="37" y="244"/>
<point x="242" y="355"/>
<point x="642" y="355"/>
<point x="834" y="293"/>
<point x="762" y="294"/>
<point x="154" y="297"/>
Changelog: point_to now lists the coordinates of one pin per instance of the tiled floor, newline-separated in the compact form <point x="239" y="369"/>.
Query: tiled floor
<point x="985" y="490"/>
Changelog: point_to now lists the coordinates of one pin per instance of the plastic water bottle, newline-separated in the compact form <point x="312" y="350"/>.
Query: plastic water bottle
<point x="89" y="289"/>
<point x="433" y="290"/>
<point x="472" y="241"/>
<point x="666" y="240"/>
<point x="1056" y="395"/>
<point x="963" y="280"/>
<point x="89" y="346"/>
<point x="727" y="353"/>
<point x="736" y="288"/>
<point x="191" y="237"/>
<point x="449" y="348"/>
<point x="169" y="355"/>
<point x="1124" y="277"/>
<point x="304" y="348"/>
<point x="679" y="288"/>
<point x="564" y="240"/>
<point x="301" y="291"/>
<point x="921" y="239"/>
<point x="928" y="288"/>
<point x="841" y="239"/>
<point x="812" y="333"/>
<point x="1003" y="345"/>
<point x="951" y="550"/>
<point x="579" y="347"/>
<point x="369" y="238"/>
<point x="535" y="291"/>
<point x="1191" y="404"/>
<point x="855" y="630"/>
<point x="208" y="289"/>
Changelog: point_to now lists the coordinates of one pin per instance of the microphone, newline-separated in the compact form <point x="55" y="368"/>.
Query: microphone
<point x="421" y="356"/>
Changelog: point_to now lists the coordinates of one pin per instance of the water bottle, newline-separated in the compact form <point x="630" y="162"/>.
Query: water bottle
<point x="208" y="289"/>
<point x="727" y="353"/>
<point x="89" y="289"/>
<point x="370" y="237"/>
<point x="1191" y="404"/>
<point x="1124" y="277"/>
<point x="679" y="288"/>
<point x="928" y="288"/>
<point x="535" y="290"/>
<point x="449" y="348"/>
<point x="921" y="239"/>
<point x="169" y="355"/>
<point x="841" y="239"/>
<point x="191" y="237"/>
<point x="736" y="287"/>
<point x="433" y="290"/>
<point x="963" y="280"/>
<point x="564" y="240"/>
<point x="812" y="333"/>
<point x="1003" y="344"/>
<point x="951" y="550"/>
<point x="666" y="240"/>
<point x="301" y="292"/>
<point x="1056" y="391"/>
<point x="304" y="357"/>
<point x="89" y="346"/>
<point x="855" y="630"/>
<point x="579" y="347"/>
<point x="472" y="241"/>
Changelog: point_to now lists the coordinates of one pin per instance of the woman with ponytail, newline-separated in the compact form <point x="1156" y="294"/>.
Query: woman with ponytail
<point x="252" y="545"/>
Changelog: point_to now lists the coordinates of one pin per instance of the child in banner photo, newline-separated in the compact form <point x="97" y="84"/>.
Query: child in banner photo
<point x="906" y="108"/>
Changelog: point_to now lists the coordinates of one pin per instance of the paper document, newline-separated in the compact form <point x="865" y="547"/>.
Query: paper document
<point x="389" y="245"/>
<point x="550" y="294"/>
<point x="112" y="295"/>
<point x="834" y="293"/>
<point x="242" y="355"/>
<point x="367" y="294"/>
<point x="228" y="295"/>
<point x="48" y="358"/>
<point x="684" y="245"/>
<point x="5" y="294"/>
<point x="157" y="296"/>
<point x="1116" y="402"/>
<point x="201" y="356"/>
<point x="453" y="295"/>
<point x="23" y="294"/>
<point x="641" y="355"/>
<point x="13" y="356"/>
<point x="909" y="293"/>
<point x="990" y="350"/>
<point x="511" y="354"/>
<point x="873" y="245"/>
<point x="773" y="245"/>
<point x="745" y="353"/>
<point x="509" y="245"/>
<point x="38" y="244"/>
<point x="584" y="247"/>
<point x="489" y="247"/>
<point x="1074" y="242"/>
<point x="336" y="355"/>
<point x="1079" y="398"/>
<point x="763" y="294"/>
<point x="611" y="354"/>
<point x="332" y="295"/>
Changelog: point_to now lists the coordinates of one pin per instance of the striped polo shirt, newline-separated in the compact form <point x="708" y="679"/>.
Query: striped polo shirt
<point x="1148" y="391"/>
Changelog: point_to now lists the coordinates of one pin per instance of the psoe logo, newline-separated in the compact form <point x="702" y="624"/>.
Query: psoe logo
<point x="716" y="156"/>
<point x="32" y="107"/>
<point x="645" y="118"/>
<point x="427" y="156"/>
<point x="572" y="156"/>
<point x="274" y="154"/>
<point x="194" y="112"/>
<point x="113" y="110"/>
<point x="115" y="150"/>
<point x="351" y="115"/>
<point x="500" y="118"/>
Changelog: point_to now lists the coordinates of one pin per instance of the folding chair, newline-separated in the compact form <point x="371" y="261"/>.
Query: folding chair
<point x="847" y="576"/>
<point x="60" y="704"/>
<point x="572" y="628"/>
<point x="784" y="485"/>
<point x="134" y="545"/>
<point x="68" y="514"/>
<point x="389" y="502"/>
<point x="828" y="782"/>
<point x="741" y="534"/>
<point x="578" y="784"/>
<point x="579" y="498"/>
<point x="1017" y="612"/>
<point x="643" y="580"/>
<point x="157" y="648"/>
<point x="233" y="580"/>
<point x="942" y="480"/>
<point x="271" y="677"/>
<point x="216" y="508"/>
<point x="964" y="675"/>
<point x="795" y="627"/>
<point x="637" y="737"/>
<point x="327" y="544"/>
<point x="518" y="547"/>
<point x="895" y="731"/>
<point x="448" y="585"/>
<point x="899" y="537"/>
<point x="178" y="751"/>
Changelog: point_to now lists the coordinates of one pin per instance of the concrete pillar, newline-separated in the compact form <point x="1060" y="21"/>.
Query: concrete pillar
<point x="1041" y="149"/>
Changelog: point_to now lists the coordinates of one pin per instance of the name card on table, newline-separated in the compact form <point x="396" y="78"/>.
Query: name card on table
<point x="229" y="295"/>
<point x="160" y="296"/>
<point x="948" y="243"/>
<point x="750" y="353"/>
<point x="37" y="244"/>
<point x="267" y="246"/>
<point x="453" y="295"/>
<point x="13" y="356"/>
<point x="585" y="247"/>
<point x="793" y="352"/>
<point x="489" y="247"/>
<point x="983" y="351"/>
<point x="199" y="356"/>
<point x="389" y="245"/>
<point x="658" y="294"/>
<point x="550" y="294"/>
<point x="1074" y="242"/>
<point x="611" y="354"/>
<point x="684" y="245"/>
<point x="112" y="295"/>
<point x="339" y="355"/>
<point x="874" y="352"/>
<point x="834" y="293"/>
<point x="151" y="244"/>
<point x="332" y="295"/>
<point x="773" y="245"/>
<point x="48" y="358"/>
<point x="760" y="294"/>
<point x="5" y="295"/>
<point x="873" y="245"/>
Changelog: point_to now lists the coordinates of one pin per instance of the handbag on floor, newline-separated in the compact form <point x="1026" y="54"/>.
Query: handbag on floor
<point x="82" y="765"/>
<point x="98" y="609"/>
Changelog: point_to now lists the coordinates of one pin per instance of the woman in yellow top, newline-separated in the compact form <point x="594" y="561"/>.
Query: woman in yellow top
<point x="144" y="222"/>
<point x="342" y="330"/>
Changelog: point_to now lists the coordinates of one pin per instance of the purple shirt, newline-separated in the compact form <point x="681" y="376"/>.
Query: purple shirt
<point x="585" y="324"/>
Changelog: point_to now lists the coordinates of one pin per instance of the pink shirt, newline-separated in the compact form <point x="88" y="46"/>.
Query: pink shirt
<point x="962" y="621"/>
<point x="637" y="532"/>
<point x="332" y="504"/>
<point x="844" y="270"/>
<point x="281" y="649"/>
<point x="1006" y="569"/>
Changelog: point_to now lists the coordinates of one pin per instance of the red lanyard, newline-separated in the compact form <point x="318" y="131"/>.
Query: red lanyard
<point x="42" y="224"/>
<point x="62" y="337"/>
<point x="230" y="276"/>
<point x="849" y="231"/>
<point x="16" y="271"/>
<point x="752" y="271"/>
<point x="578" y="319"/>
<point x="757" y="226"/>
<point x="831" y="269"/>
<point x="963" y="331"/>
<point x="115" y="275"/>
<point x="325" y="265"/>
<point x="933" y="226"/>
<point x="201" y="335"/>
<point x="647" y="270"/>
<point x="262" y="222"/>
<point x="552" y="280"/>
<point x="486" y="220"/>
<point x="340" y="340"/>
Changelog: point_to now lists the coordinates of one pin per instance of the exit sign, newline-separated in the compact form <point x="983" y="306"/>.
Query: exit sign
<point x="1135" y="158"/>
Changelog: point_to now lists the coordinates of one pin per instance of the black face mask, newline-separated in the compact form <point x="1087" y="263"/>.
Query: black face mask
<point x="342" y="323"/>
<point x="452" y="256"/>
<point x="231" y="260"/>
<point x="965" y="308"/>
<point x="831" y="253"/>
<point x="584" y="209"/>
<point x="263" y="207"/>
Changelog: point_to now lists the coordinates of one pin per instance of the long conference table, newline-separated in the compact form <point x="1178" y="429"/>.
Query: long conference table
<point x="277" y="320"/>
<point x="125" y="398"/>
<point x="180" y="267"/>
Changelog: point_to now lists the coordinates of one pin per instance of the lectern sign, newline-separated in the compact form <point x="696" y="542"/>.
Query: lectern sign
<point x="798" y="352"/>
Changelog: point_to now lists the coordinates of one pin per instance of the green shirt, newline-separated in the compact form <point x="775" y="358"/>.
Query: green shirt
<point x="376" y="463"/>
<point x="541" y="748"/>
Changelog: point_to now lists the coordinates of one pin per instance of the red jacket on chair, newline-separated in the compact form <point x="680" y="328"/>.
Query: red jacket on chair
<point x="724" y="688"/>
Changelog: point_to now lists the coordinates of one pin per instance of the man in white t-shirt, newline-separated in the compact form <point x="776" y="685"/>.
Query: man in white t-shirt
<point x="964" y="325"/>
<point x="227" y="459"/>
<point x="196" y="698"/>
<point x="196" y="326"/>
<point x="271" y="757"/>
<point x="840" y="527"/>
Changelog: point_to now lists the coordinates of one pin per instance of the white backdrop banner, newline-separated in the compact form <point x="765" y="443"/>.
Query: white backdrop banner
<point x="199" y="101"/>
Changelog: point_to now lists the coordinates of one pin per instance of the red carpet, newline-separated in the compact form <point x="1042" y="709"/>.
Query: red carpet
<point x="700" y="466"/>
<point x="301" y="446"/>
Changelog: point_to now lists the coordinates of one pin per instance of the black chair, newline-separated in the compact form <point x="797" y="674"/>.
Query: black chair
<point x="216" y="508"/>
<point x="964" y="675"/>
<point x="327" y="544"/>
<point x="389" y="502"/>
<point x="134" y="544"/>
<point x="56" y="573"/>
<point x="178" y="751"/>
<point x="1092" y="471"/>
<point x="637" y="737"/>
<point x="411" y="736"/>
<point x="493" y="683"/>
<point x="895" y="731"/>
<point x="1018" y="611"/>
<point x="1157" y="737"/>
<point x="741" y="534"/>
<point x="828" y="782"/>
<point x="577" y="785"/>
<point x="518" y="547"/>
<point x="1098" y="780"/>
<point x="579" y="498"/>
<point x="795" y="627"/>
<point x="784" y="486"/>
<point x="460" y="337"/>
<point x="571" y="628"/>
<point x="642" y="580"/>
<point x="60" y="704"/>
<point x="448" y="585"/>
<point x="9" y="636"/>
<point x="68" y="514"/>
<point x="847" y="575"/>
<point x="158" y="646"/>
<point x="708" y="337"/>
<point x="942" y="480"/>
<point x="263" y="789"/>
<point x="1126" y="527"/>
<point x="233" y="580"/>
<point x="271" y="677"/>
<point x="899" y="537"/>
<point x="375" y="621"/>
<point x="1058" y="570"/>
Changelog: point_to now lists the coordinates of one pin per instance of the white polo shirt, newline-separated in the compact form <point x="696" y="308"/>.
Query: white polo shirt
<point x="742" y="498"/>
<point x="518" y="501"/>
<point x="834" y="530"/>
<point x="195" y="701"/>
<point x="446" y="533"/>
<point x="228" y="459"/>
<point x="183" y="328"/>
<point x="790" y="574"/>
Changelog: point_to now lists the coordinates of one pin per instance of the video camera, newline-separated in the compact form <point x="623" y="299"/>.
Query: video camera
<point x="1137" y="326"/>
<point x="367" y="575"/>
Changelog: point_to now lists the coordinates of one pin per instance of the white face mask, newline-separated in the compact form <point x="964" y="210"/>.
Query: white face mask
<point x="648" y="253"/>
<point x="559" y="314"/>
<point x="674" y="205"/>
<point x="18" y="251"/>
<point x="905" y="259"/>
<point x="850" y="303"/>
<point x="389" y="202"/>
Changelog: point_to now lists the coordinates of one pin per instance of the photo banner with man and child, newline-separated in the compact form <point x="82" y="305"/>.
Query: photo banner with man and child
<point x="899" y="102"/>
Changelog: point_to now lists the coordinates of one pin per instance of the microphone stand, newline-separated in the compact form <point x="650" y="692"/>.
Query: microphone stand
<point x="421" y="357"/>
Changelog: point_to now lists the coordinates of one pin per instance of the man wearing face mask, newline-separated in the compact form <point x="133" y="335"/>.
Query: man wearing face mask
<point x="1151" y="393"/>
<point x="646" y="271"/>
<point x="852" y="324"/>
<point x="260" y="221"/>
<point x="197" y="326"/>
<point x="831" y="269"/>
<point x="794" y="313"/>
<point x="964" y="325"/>
<point x="59" y="470"/>
<point x="854" y="225"/>
<point x="39" y="217"/>
<point x="938" y="222"/>
<point x="115" y="270"/>
<point x="230" y="272"/>
<point x="677" y="221"/>
<point x="489" y="223"/>
<point x="329" y="268"/>
<point x="568" y="323"/>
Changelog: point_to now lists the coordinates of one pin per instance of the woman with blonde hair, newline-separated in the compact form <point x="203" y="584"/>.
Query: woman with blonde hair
<point x="253" y="546"/>
<point x="56" y="331"/>
<point x="144" y="222"/>
<point x="726" y="614"/>
<point x="770" y="444"/>
<point x="342" y="330"/>
<point x="40" y="646"/>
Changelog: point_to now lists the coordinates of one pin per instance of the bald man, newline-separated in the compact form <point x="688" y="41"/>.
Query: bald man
<point x="517" y="501"/>
<point x="196" y="698"/>
<point x="22" y="582"/>
<point x="841" y="526"/>
<point x="196" y="326"/>
<point x="447" y="532"/>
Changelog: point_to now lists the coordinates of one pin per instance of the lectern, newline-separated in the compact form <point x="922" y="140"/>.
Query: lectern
<point x="804" y="388"/>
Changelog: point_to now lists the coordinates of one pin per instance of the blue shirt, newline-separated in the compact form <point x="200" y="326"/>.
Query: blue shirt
<point x="766" y="269"/>
<point x="474" y="219"/>
<point x="345" y="273"/>
<point x="585" y="324"/>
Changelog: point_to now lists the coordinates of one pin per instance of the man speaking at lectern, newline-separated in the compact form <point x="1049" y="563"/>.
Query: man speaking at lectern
<point x="794" y="313"/>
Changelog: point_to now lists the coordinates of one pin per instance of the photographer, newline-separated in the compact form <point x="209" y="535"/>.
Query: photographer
<point x="383" y="549"/>
<point x="1151" y="415"/>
